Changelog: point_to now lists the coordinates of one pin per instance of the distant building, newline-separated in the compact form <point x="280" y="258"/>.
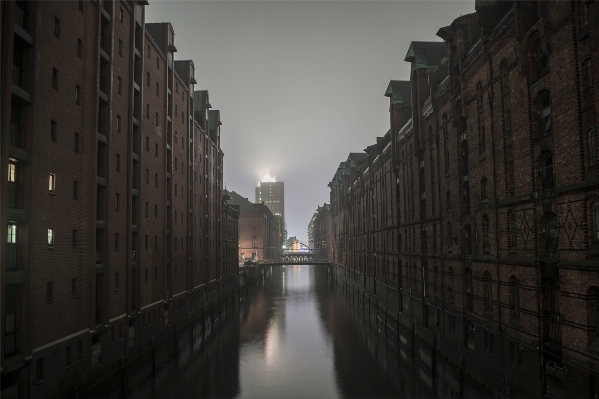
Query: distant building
<point x="258" y="229"/>
<point x="320" y="231"/>
<point x="272" y="193"/>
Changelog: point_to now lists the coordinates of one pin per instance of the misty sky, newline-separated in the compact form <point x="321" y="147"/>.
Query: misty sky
<point x="299" y="84"/>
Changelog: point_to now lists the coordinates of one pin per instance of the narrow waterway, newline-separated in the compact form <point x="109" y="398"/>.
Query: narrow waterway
<point x="294" y="337"/>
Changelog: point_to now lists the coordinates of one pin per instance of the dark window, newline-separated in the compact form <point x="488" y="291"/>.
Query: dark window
<point x="118" y="162"/>
<point x="39" y="370"/>
<point x="55" y="78"/>
<point x="81" y="5"/>
<point x="156" y="149"/>
<point x="157" y="62"/>
<point x="595" y="216"/>
<point x="49" y="294"/>
<point x="584" y="13"/>
<point x="148" y="111"/>
<point x="75" y="190"/>
<point x="552" y="237"/>
<point x="156" y="118"/>
<point x="514" y="297"/>
<point x="67" y="356"/>
<point x="542" y="64"/>
<point x="77" y="94"/>
<point x="147" y="143"/>
<point x="121" y="15"/>
<point x="548" y="174"/>
<point x="148" y="78"/>
<point x="77" y="143"/>
<point x="53" y="130"/>
<point x="146" y="208"/>
<point x="79" y="48"/>
<point x="146" y="244"/>
<point x="156" y="179"/>
<point x="74" y="238"/>
<point x="118" y="123"/>
<point x="592" y="147"/>
<point x="80" y="350"/>
<point x="57" y="27"/>
<point x="545" y="116"/>
<point x="116" y="241"/>
<point x="156" y="211"/>
<point x="119" y="85"/>
<point x="117" y="202"/>
<point x="147" y="176"/>
<point x="74" y="287"/>
<point x="120" y="47"/>
<point x="486" y="242"/>
<point x="116" y="281"/>
<point x="157" y="89"/>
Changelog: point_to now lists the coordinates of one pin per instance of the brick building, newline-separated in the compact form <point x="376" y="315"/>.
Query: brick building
<point x="113" y="198"/>
<point x="320" y="232"/>
<point x="258" y="229"/>
<point x="472" y="226"/>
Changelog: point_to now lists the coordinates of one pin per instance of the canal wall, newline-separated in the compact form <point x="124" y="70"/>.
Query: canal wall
<point x="180" y="338"/>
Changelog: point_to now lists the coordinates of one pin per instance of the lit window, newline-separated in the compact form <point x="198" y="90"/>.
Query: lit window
<point x="52" y="182"/>
<point x="50" y="237"/>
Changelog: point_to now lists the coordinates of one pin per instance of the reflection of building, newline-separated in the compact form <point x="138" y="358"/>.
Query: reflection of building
<point x="272" y="193"/>
<point x="258" y="229"/>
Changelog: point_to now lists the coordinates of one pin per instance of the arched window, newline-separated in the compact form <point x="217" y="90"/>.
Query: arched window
<point x="593" y="147"/>
<point x="552" y="237"/>
<point x="483" y="189"/>
<point x="545" y="120"/>
<point x="584" y="14"/>
<point x="486" y="243"/>
<point x="514" y="297"/>
<point x="548" y="175"/>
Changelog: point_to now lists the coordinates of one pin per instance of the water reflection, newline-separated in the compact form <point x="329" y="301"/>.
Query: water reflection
<point x="295" y="338"/>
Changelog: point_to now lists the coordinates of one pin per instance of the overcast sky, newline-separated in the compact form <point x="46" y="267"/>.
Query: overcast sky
<point x="300" y="84"/>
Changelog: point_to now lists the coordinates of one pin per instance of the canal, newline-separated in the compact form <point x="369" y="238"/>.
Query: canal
<point x="295" y="337"/>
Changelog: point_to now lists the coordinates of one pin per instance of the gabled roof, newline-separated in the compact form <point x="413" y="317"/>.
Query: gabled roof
<point x="426" y="54"/>
<point x="400" y="91"/>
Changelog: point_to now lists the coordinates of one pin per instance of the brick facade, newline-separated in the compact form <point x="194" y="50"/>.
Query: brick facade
<point x="474" y="221"/>
<point x="114" y="199"/>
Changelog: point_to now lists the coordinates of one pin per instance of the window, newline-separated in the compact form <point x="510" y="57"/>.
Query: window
<point x="156" y="211"/>
<point x="157" y="62"/>
<point x="147" y="143"/>
<point x="176" y="163"/>
<point x="148" y="78"/>
<point x="514" y="297"/>
<point x="39" y="369"/>
<point x="584" y="13"/>
<point x="74" y="287"/>
<point x="116" y="282"/>
<point x="120" y="47"/>
<point x="57" y="27"/>
<point x="77" y="142"/>
<point x="75" y="189"/>
<point x="119" y="85"/>
<point x="118" y="162"/>
<point x="156" y="118"/>
<point x="149" y="51"/>
<point x="55" y="78"/>
<point x="146" y="208"/>
<point x="548" y="175"/>
<point x="157" y="89"/>
<point x="486" y="242"/>
<point x="121" y="15"/>
<point x="542" y="64"/>
<point x="50" y="237"/>
<point x="147" y="176"/>
<point x="156" y="150"/>
<point x="77" y="94"/>
<point x="49" y="294"/>
<point x="156" y="180"/>
<point x="53" y="130"/>
<point x="79" y="48"/>
<point x="118" y="123"/>
<point x="552" y="237"/>
<point x="116" y="241"/>
<point x="146" y="274"/>
<point x="483" y="189"/>
<point x="593" y="147"/>
<point x="117" y="201"/>
<point x="80" y="350"/>
<point x="545" y="120"/>
<point x="52" y="183"/>
<point x="74" y="238"/>
<point x="81" y="5"/>
<point x="67" y="356"/>
<point x="595" y="211"/>
<point x="588" y="81"/>
<point x="146" y="242"/>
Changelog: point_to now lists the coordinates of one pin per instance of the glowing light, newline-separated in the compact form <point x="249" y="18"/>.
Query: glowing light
<point x="268" y="179"/>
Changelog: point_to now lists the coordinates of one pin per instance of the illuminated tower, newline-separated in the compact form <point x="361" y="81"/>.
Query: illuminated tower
<point x="272" y="193"/>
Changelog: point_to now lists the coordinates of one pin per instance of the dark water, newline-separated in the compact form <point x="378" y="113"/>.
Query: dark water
<point x="295" y="337"/>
